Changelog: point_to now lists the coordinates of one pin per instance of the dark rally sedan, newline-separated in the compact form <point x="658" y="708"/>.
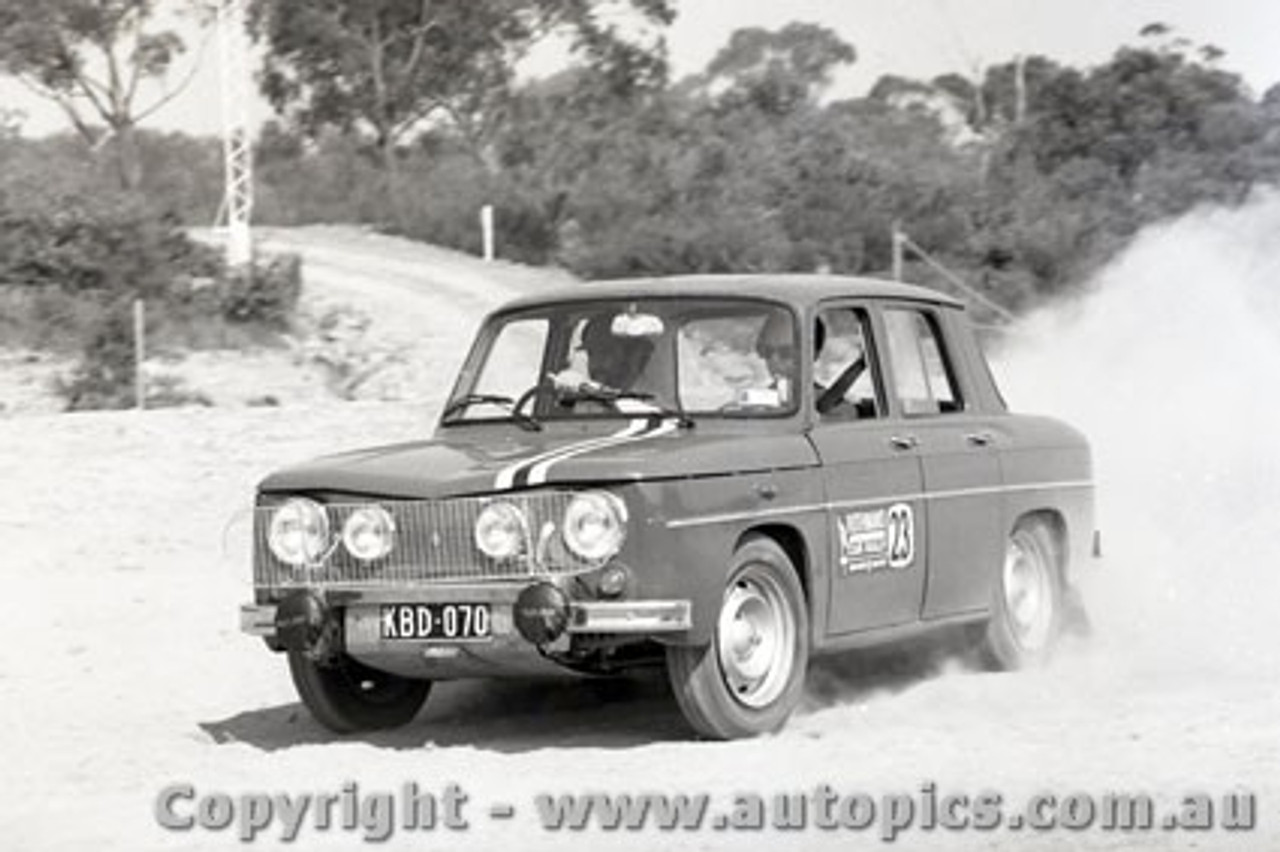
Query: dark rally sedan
<point x="725" y="475"/>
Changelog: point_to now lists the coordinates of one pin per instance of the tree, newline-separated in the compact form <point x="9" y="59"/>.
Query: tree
<point x="776" y="72"/>
<point x="91" y="58"/>
<point x="384" y="67"/>
<point x="1123" y="113"/>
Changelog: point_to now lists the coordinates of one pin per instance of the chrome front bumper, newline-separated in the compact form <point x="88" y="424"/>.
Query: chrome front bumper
<point x="625" y="617"/>
<point x="630" y="616"/>
<point x="258" y="619"/>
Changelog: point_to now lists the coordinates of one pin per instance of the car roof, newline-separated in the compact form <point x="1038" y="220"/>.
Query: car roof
<point x="800" y="290"/>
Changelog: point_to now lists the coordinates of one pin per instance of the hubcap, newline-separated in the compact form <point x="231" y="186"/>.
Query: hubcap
<point x="756" y="638"/>
<point x="1028" y="594"/>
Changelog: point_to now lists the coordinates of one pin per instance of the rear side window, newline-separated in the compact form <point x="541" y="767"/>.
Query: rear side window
<point x="922" y="377"/>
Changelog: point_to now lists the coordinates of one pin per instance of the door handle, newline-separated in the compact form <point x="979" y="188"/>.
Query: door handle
<point x="904" y="442"/>
<point x="979" y="439"/>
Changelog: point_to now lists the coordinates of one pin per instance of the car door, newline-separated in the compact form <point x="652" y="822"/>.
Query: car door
<point x="872" y="481"/>
<point x="957" y="445"/>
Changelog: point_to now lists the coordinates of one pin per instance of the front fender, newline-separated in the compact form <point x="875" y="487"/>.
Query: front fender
<point x="683" y="547"/>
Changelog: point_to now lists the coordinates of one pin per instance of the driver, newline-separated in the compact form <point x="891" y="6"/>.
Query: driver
<point x="606" y="362"/>
<point x="615" y="362"/>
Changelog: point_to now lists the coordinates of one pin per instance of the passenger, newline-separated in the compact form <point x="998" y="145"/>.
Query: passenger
<point x="776" y="345"/>
<point x="832" y="398"/>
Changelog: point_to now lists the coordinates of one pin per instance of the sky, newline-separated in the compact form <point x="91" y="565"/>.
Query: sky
<point x="913" y="38"/>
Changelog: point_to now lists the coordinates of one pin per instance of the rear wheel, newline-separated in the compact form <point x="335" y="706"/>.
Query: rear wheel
<point x="347" y="696"/>
<point x="750" y="678"/>
<point x="1027" y="610"/>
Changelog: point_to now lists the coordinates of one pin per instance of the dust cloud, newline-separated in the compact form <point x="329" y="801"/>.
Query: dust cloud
<point x="1171" y="366"/>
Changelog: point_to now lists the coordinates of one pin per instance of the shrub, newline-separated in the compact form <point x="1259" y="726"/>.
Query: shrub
<point x="71" y="266"/>
<point x="268" y="293"/>
<point x="104" y="378"/>
<point x="172" y="392"/>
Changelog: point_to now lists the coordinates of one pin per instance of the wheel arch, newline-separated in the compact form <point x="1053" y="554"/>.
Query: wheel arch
<point x="1060" y="539"/>
<point x="793" y="543"/>
<point x="726" y="700"/>
<point x="1054" y="521"/>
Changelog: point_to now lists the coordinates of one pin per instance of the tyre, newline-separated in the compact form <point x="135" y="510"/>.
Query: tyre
<point x="750" y="678"/>
<point x="1028" y="601"/>
<point x="348" y="697"/>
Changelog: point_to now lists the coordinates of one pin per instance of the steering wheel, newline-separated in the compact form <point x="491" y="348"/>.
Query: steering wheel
<point x="524" y="398"/>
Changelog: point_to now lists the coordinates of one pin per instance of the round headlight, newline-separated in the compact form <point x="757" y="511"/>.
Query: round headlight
<point x="299" y="532"/>
<point x="501" y="530"/>
<point x="595" y="525"/>
<point x="369" y="533"/>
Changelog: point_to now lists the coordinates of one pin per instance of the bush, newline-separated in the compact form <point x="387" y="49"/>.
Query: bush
<point x="107" y="245"/>
<point x="172" y="392"/>
<point x="335" y="180"/>
<point x="72" y="264"/>
<point x="104" y="378"/>
<point x="267" y="294"/>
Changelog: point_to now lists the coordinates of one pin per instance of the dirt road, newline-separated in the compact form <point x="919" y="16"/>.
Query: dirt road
<point x="123" y="673"/>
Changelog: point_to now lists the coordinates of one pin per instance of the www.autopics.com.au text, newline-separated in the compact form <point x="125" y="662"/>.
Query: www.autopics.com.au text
<point x="377" y="816"/>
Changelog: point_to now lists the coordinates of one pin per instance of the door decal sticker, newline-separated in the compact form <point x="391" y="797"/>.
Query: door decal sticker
<point x="876" y="539"/>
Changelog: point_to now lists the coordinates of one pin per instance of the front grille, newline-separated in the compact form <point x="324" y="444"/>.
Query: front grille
<point x="434" y="543"/>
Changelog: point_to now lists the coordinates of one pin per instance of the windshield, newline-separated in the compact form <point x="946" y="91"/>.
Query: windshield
<point x="615" y="358"/>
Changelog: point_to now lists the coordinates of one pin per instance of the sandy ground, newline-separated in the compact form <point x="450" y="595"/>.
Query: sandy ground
<point x="125" y="562"/>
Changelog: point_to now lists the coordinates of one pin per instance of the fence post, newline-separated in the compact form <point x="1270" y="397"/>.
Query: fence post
<point x="897" y="251"/>
<point x="139" y="354"/>
<point x="486" y="226"/>
<point x="934" y="264"/>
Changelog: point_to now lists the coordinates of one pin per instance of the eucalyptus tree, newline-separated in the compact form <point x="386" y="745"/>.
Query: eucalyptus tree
<point x="390" y="68"/>
<point x="105" y="63"/>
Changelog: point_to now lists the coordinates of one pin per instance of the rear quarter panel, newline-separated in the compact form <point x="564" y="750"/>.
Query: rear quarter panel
<point x="1047" y="467"/>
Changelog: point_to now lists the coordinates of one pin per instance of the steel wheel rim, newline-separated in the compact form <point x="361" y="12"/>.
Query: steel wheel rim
<point x="1028" y="594"/>
<point x="756" y="638"/>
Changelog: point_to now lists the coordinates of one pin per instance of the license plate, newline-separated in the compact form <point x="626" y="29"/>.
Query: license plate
<point x="442" y="622"/>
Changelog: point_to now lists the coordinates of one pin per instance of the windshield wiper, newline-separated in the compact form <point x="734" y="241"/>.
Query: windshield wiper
<point x="463" y="403"/>
<point x="604" y="393"/>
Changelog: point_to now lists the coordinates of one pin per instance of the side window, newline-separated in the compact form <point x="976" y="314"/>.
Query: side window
<point x="844" y="382"/>
<point x="922" y="379"/>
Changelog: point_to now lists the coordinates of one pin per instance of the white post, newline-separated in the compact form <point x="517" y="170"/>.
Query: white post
<point x="139" y="354"/>
<point x="897" y="251"/>
<point x="486" y="227"/>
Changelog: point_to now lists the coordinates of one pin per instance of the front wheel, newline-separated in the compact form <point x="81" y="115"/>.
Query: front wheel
<point x="347" y="696"/>
<point x="1028" y="605"/>
<point x="750" y="678"/>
